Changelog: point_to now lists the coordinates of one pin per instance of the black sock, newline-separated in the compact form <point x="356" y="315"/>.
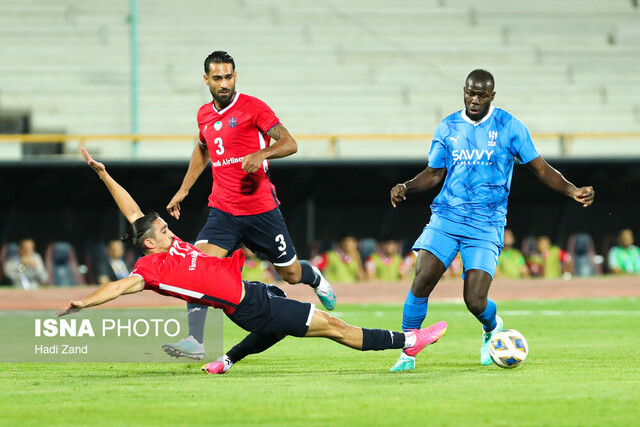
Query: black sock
<point x="197" y="315"/>
<point x="252" y="344"/>
<point x="309" y="276"/>
<point x="381" y="339"/>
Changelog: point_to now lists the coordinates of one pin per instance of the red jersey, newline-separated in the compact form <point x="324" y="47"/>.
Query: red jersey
<point x="187" y="273"/>
<point x="230" y="134"/>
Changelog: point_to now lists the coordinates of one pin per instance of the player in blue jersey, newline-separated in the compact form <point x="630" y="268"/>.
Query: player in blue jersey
<point x="475" y="148"/>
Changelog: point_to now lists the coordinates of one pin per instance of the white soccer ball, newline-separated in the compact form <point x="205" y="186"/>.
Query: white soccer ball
<point x="508" y="348"/>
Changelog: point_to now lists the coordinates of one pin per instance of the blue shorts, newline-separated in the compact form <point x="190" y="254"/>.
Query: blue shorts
<point x="264" y="233"/>
<point x="265" y="309"/>
<point x="479" y="247"/>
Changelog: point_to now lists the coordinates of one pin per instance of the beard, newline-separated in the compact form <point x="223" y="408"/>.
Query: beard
<point x="224" y="98"/>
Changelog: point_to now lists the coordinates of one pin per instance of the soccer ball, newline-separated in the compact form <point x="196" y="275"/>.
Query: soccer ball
<point x="508" y="348"/>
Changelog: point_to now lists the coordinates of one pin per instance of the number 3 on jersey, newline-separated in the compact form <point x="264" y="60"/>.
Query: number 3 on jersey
<point x="220" y="149"/>
<point x="283" y="244"/>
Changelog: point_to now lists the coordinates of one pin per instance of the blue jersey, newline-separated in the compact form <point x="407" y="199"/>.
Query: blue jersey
<point x="479" y="158"/>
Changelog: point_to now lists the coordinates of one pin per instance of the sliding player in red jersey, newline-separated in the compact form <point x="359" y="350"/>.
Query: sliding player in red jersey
<point x="235" y="134"/>
<point x="178" y="269"/>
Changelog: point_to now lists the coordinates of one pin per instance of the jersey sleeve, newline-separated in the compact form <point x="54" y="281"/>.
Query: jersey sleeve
<point x="265" y="118"/>
<point x="438" y="150"/>
<point x="144" y="269"/>
<point x="521" y="144"/>
<point x="200" y="122"/>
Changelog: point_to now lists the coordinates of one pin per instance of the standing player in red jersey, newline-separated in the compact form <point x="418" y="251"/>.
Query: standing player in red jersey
<point x="235" y="134"/>
<point x="178" y="269"/>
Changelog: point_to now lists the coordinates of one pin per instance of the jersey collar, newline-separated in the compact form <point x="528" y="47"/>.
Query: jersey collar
<point x="484" y="119"/>
<point x="221" y="112"/>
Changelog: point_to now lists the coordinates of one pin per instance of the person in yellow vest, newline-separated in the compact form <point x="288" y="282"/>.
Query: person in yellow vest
<point x="511" y="263"/>
<point x="343" y="264"/>
<point x="549" y="261"/>
<point x="386" y="263"/>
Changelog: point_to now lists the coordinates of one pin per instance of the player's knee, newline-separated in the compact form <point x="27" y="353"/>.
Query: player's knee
<point x="476" y="303"/>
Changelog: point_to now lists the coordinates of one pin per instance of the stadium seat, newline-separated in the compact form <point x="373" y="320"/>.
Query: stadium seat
<point x="582" y="250"/>
<point x="368" y="246"/>
<point x="528" y="246"/>
<point x="131" y="256"/>
<point x="6" y="251"/>
<point x="608" y="241"/>
<point x="94" y="254"/>
<point x="62" y="264"/>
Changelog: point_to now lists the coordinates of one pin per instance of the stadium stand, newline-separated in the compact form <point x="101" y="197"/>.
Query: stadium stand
<point x="326" y="67"/>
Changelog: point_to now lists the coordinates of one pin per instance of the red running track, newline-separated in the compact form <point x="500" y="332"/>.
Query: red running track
<point x="367" y="292"/>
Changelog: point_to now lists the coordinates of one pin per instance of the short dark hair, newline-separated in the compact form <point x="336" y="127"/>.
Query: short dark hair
<point x="481" y="76"/>
<point x="140" y="230"/>
<point x="218" y="57"/>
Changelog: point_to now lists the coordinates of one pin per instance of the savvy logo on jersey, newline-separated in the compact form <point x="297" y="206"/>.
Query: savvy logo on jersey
<point x="465" y="155"/>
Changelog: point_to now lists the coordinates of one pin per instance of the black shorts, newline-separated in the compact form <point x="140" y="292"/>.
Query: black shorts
<point x="264" y="233"/>
<point x="265" y="309"/>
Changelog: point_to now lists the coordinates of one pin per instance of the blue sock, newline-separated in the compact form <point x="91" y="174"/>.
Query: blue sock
<point x="414" y="312"/>
<point x="488" y="316"/>
<point x="309" y="276"/>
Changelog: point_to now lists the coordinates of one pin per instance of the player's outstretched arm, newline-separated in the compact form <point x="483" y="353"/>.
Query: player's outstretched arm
<point x="104" y="293"/>
<point x="425" y="180"/>
<point x="198" y="162"/>
<point x="555" y="180"/>
<point x="284" y="145"/>
<point x="125" y="202"/>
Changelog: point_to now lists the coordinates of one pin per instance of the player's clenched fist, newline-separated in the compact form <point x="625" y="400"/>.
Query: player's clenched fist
<point x="584" y="195"/>
<point x="252" y="162"/>
<point x="398" y="194"/>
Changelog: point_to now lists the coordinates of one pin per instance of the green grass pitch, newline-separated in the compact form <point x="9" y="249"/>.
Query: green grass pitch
<point x="583" y="369"/>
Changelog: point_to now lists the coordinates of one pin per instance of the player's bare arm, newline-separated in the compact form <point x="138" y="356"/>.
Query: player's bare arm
<point x="284" y="145"/>
<point x="197" y="164"/>
<point x="555" y="180"/>
<point x="125" y="202"/>
<point x="104" y="293"/>
<point x="425" y="180"/>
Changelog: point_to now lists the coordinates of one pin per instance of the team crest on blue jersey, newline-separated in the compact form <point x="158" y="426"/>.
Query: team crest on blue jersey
<point x="233" y="122"/>
<point x="493" y="135"/>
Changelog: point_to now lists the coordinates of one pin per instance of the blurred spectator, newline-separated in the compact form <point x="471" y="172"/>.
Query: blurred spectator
<point x="548" y="261"/>
<point x="342" y="265"/>
<point x="256" y="269"/>
<point x="409" y="264"/>
<point x="26" y="269"/>
<point x="455" y="269"/>
<point x="112" y="267"/>
<point x="511" y="263"/>
<point x="624" y="258"/>
<point x="386" y="263"/>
